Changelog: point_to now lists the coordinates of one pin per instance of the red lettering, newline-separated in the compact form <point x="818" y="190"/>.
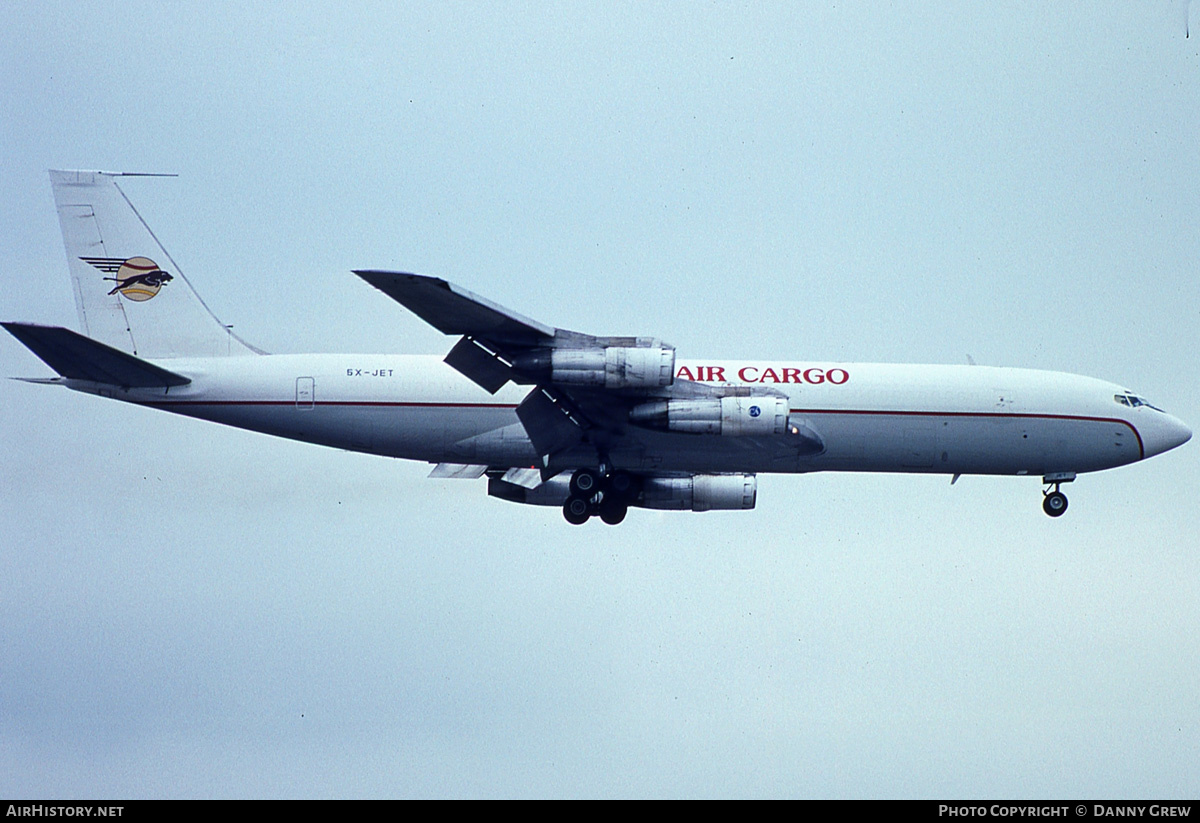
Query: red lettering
<point x="772" y="374"/>
<point x="684" y="374"/>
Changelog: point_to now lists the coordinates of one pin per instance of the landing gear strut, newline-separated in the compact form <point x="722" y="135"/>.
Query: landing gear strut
<point x="606" y="494"/>
<point x="1054" y="503"/>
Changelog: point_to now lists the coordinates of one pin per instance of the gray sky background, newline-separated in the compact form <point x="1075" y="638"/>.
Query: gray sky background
<point x="188" y="610"/>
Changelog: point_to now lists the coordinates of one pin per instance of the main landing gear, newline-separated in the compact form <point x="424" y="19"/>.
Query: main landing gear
<point x="1054" y="503"/>
<point x="594" y="493"/>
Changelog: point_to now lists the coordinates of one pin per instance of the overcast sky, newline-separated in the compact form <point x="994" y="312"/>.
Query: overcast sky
<point x="188" y="610"/>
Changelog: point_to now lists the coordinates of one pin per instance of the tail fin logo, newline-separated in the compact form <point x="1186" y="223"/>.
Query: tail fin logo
<point x="137" y="278"/>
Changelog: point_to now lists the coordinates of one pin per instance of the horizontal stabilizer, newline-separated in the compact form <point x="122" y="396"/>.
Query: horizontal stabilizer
<point x="81" y="358"/>
<point x="454" y="310"/>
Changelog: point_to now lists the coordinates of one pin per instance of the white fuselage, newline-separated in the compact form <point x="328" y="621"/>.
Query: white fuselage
<point x="871" y="417"/>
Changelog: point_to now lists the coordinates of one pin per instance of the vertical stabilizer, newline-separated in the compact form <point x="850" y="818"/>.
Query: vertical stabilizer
<point x="128" y="291"/>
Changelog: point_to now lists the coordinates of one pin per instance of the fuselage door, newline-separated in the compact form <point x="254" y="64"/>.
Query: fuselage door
<point x="304" y="393"/>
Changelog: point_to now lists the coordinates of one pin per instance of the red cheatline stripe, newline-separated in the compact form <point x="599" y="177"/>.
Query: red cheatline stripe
<point x="327" y="403"/>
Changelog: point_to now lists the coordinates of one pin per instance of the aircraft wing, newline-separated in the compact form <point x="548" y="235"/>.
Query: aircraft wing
<point x="598" y="392"/>
<point x="497" y="344"/>
<point x="452" y="309"/>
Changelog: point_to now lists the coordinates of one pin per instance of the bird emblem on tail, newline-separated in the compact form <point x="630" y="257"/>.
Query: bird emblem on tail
<point x="137" y="278"/>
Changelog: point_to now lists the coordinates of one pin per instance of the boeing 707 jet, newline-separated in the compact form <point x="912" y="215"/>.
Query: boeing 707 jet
<point x="593" y="425"/>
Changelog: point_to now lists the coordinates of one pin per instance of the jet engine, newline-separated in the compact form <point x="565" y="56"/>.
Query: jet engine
<point x="751" y="415"/>
<point x="610" y="367"/>
<point x="700" y="492"/>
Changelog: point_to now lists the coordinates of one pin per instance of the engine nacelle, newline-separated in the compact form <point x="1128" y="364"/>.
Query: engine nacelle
<point x="700" y="492"/>
<point x="610" y="367"/>
<point x="734" y="416"/>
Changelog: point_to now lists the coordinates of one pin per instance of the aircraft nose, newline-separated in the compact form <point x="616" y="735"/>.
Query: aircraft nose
<point x="1167" y="433"/>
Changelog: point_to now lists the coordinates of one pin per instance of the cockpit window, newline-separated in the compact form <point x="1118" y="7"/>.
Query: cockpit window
<point x="1133" y="401"/>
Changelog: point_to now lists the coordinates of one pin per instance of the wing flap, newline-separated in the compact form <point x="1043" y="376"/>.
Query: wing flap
<point x="525" y="478"/>
<point x="81" y="358"/>
<point x="481" y="366"/>
<point x="548" y="423"/>
<point x="458" y="471"/>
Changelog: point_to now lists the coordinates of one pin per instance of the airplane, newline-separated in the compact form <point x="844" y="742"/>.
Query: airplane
<point x="594" y="425"/>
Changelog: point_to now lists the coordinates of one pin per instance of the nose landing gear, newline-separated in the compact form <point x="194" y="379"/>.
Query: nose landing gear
<point x="1054" y="503"/>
